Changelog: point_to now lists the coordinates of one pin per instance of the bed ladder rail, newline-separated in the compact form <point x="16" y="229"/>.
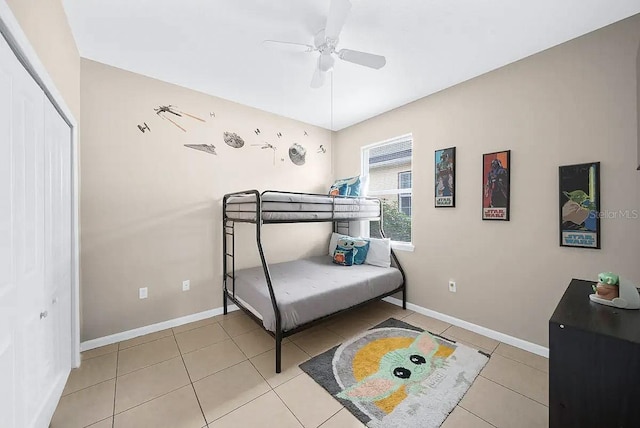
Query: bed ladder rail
<point x="229" y="235"/>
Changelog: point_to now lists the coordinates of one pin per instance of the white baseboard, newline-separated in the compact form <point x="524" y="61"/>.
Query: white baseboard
<point x="505" y="338"/>
<point x="141" y="331"/>
<point x="130" y="334"/>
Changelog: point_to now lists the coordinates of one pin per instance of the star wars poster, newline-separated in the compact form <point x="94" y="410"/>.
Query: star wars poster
<point x="580" y="205"/>
<point x="496" y="173"/>
<point x="445" y="162"/>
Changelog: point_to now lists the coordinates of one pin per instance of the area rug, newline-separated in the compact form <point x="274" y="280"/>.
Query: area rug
<point x="397" y="375"/>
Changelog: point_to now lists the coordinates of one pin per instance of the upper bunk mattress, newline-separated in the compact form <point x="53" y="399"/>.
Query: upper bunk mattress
<point x="299" y="207"/>
<point x="311" y="288"/>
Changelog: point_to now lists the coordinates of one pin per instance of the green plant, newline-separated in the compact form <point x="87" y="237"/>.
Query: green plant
<point x="397" y="225"/>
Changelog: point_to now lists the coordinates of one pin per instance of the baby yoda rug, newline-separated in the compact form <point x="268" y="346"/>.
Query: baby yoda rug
<point x="397" y="375"/>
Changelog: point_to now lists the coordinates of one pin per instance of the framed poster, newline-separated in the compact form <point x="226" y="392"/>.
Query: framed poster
<point x="496" y="192"/>
<point x="580" y="205"/>
<point x="445" y="187"/>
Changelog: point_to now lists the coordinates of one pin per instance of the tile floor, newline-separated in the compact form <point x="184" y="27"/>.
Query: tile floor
<point x="219" y="373"/>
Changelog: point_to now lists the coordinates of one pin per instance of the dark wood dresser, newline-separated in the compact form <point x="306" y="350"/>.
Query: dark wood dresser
<point x="594" y="363"/>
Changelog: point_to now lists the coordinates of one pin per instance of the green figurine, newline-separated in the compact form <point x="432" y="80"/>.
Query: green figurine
<point x="608" y="286"/>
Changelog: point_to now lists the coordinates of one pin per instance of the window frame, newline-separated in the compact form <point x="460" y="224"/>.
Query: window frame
<point x="364" y="172"/>
<point x="405" y="172"/>
<point x="404" y="195"/>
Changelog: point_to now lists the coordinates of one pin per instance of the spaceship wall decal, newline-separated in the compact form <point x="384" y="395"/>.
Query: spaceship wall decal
<point x="168" y="112"/>
<point x="207" y="148"/>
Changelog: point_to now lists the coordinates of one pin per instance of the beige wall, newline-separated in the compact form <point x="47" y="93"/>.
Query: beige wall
<point x="638" y="102"/>
<point x="574" y="103"/>
<point x="45" y="24"/>
<point x="151" y="208"/>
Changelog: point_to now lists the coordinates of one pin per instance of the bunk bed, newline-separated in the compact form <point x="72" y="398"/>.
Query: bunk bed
<point x="286" y="298"/>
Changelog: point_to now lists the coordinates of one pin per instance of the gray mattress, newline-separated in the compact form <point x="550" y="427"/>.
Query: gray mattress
<point x="308" y="289"/>
<point x="294" y="206"/>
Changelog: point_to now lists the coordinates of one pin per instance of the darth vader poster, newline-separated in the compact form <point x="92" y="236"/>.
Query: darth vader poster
<point x="496" y="192"/>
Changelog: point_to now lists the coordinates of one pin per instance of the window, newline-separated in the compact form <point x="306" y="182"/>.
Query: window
<point x="387" y="166"/>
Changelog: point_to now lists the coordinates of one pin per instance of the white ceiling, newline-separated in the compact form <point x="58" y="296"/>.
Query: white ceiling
<point x="214" y="46"/>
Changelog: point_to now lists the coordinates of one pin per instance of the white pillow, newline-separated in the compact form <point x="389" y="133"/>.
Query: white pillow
<point x="333" y="242"/>
<point x="379" y="252"/>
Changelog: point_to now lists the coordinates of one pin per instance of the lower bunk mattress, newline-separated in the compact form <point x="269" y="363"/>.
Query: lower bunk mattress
<point x="308" y="289"/>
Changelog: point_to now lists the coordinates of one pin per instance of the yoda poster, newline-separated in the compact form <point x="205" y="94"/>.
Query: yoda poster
<point x="580" y="205"/>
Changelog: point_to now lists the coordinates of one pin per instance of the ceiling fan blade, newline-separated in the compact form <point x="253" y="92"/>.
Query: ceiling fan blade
<point x="288" y="46"/>
<point x="362" y="58"/>
<point x="318" y="78"/>
<point x="338" y="13"/>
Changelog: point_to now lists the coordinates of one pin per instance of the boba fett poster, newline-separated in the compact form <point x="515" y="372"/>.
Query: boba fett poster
<point x="580" y="205"/>
<point x="445" y="177"/>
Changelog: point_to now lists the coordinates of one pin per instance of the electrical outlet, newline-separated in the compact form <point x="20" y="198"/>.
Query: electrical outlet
<point x="452" y="286"/>
<point x="186" y="285"/>
<point x="142" y="293"/>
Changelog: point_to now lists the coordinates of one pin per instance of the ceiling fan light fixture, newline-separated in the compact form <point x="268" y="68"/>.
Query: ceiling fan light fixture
<point x="326" y="62"/>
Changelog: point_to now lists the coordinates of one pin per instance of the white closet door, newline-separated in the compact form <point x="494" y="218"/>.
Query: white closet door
<point x="57" y="286"/>
<point x="8" y="288"/>
<point x="34" y="181"/>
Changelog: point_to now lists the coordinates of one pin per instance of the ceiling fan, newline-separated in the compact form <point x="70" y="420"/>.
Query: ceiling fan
<point x="325" y="42"/>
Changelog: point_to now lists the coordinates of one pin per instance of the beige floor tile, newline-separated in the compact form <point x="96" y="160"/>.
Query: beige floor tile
<point x="533" y="360"/>
<point x="380" y="305"/>
<point x="145" y="339"/>
<point x="266" y="411"/>
<point x="98" y="352"/>
<point x="91" y="372"/>
<point x="502" y="407"/>
<point x="229" y="389"/>
<point x="238" y="325"/>
<point x="255" y="342"/>
<point x="397" y="312"/>
<point x="292" y="356"/>
<point x="427" y="323"/>
<point x="375" y="317"/>
<point x="231" y="314"/>
<point x="343" y="419"/>
<point x="354" y="315"/>
<point x="212" y="359"/>
<point x="85" y="407"/>
<point x="315" y="328"/>
<point x="461" y="418"/>
<point x="177" y="409"/>
<point x="106" y="423"/>
<point x="193" y="325"/>
<point x="471" y="337"/>
<point x="147" y="354"/>
<point x="386" y="308"/>
<point x="318" y="341"/>
<point x="519" y="377"/>
<point x="151" y="382"/>
<point x="302" y="390"/>
<point x="201" y="337"/>
<point x="349" y="329"/>
<point x="470" y="345"/>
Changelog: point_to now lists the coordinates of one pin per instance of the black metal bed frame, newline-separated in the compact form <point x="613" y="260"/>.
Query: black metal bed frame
<point x="229" y="232"/>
